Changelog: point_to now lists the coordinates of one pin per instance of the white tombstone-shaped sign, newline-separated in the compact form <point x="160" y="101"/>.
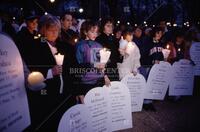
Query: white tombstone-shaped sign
<point x="120" y="106"/>
<point x="182" y="78"/>
<point x="136" y="85"/>
<point x="97" y="102"/>
<point x="14" y="111"/>
<point x="75" y="119"/>
<point x="158" y="81"/>
<point x="195" y="56"/>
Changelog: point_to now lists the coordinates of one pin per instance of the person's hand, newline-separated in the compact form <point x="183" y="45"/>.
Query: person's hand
<point x="57" y="70"/>
<point x="134" y="73"/>
<point x="121" y="51"/>
<point x="80" y="98"/>
<point x="156" y="62"/>
<point x="100" y="66"/>
<point x="107" y="81"/>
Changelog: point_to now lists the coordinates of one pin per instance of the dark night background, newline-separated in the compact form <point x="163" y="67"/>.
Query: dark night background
<point x="135" y="11"/>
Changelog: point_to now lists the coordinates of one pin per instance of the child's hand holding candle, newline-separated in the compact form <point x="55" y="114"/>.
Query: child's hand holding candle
<point x="166" y="52"/>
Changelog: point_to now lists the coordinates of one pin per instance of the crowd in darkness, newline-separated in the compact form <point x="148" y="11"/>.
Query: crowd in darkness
<point x="39" y="38"/>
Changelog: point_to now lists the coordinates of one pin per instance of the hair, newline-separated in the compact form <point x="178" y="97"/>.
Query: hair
<point x="105" y="21"/>
<point x="126" y="32"/>
<point x="86" y="26"/>
<point x="62" y="17"/>
<point x="47" y="21"/>
<point x="155" y="30"/>
<point x="134" y="28"/>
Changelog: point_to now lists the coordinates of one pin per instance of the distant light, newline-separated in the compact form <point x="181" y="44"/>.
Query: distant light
<point x="187" y="22"/>
<point x="135" y="25"/>
<point x="52" y="1"/>
<point x="81" y="10"/>
<point x="153" y="25"/>
<point x="112" y="34"/>
<point x="188" y="25"/>
<point x="184" y="24"/>
<point x="39" y="35"/>
<point x="198" y="22"/>
<point x="21" y="9"/>
<point x="145" y="25"/>
<point x="128" y="23"/>
<point x="168" y="23"/>
<point x="13" y="18"/>
<point x="45" y="13"/>
<point x="118" y="22"/>
<point x="145" y="22"/>
<point x="174" y="24"/>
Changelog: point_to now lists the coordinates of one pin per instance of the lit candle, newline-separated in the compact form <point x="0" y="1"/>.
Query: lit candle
<point x="35" y="78"/>
<point x="166" y="52"/>
<point x="75" y="40"/>
<point x="167" y="46"/>
<point x="59" y="60"/>
<point x="179" y="49"/>
<point x="104" y="55"/>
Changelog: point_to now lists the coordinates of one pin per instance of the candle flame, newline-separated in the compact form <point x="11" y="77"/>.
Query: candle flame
<point x="167" y="46"/>
<point x="179" y="49"/>
<point x="75" y="40"/>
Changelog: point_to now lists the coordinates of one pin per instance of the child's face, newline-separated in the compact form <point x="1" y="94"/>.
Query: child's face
<point x="52" y="33"/>
<point x="158" y="35"/>
<point x="92" y="33"/>
<point x="129" y="37"/>
<point x="108" y="28"/>
<point x="118" y="34"/>
<point x="179" y="40"/>
<point x="138" y="32"/>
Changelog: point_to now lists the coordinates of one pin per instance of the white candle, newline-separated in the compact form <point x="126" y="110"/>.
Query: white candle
<point x="59" y="59"/>
<point x="166" y="52"/>
<point x="104" y="55"/>
<point x="35" y="78"/>
<point x="129" y="48"/>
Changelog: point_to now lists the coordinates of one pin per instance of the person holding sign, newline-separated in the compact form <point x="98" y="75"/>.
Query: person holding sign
<point x="131" y="55"/>
<point x="88" y="57"/>
<point x="154" y="57"/>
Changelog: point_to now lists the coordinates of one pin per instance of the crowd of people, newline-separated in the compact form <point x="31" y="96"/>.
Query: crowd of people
<point x="134" y="49"/>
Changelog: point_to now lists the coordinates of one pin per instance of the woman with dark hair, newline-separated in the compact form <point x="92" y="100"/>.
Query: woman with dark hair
<point x="107" y="40"/>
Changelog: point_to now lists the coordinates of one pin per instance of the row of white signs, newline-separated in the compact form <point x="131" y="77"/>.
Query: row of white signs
<point x="105" y="109"/>
<point x="109" y="108"/>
